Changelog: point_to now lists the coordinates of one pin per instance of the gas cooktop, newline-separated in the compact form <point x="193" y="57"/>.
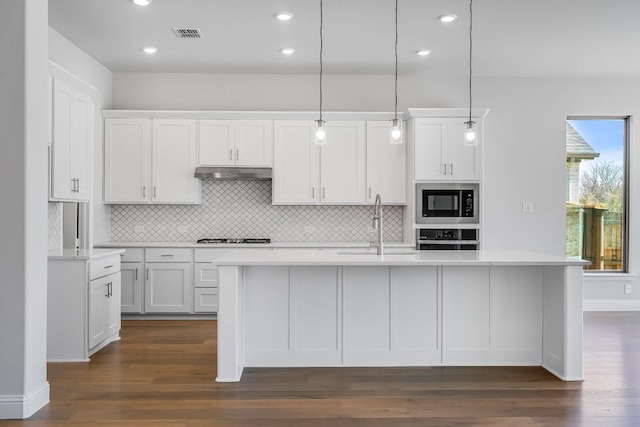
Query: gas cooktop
<point x="218" y="240"/>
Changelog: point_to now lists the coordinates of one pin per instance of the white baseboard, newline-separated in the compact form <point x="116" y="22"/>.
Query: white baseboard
<point x="19" y="407"/>
<point x="610" y="305"/>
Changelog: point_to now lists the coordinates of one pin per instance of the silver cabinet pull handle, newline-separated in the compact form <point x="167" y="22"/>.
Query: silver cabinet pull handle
<point x="77" y="185"/>
<point x="445" y="168"/>
<point x="323" y="193"/>
<point x="106" y="289"/>
<point x="136" y="273"/>
<point x="166" y="255"/>
<point x="231" y="154"/>
<point x="237" y="154"/>
<point x="155" y="192"/>
<point x="144" y="191"/>
<point x="451" y="168"/>
<point x="369" y="192"/>
<point x="313" y="192"/>
<point x="147" y="274"/>
<point x="108" y="266"/>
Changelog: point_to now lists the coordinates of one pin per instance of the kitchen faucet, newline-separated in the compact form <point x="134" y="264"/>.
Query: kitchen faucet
<point x="377" y="225"/>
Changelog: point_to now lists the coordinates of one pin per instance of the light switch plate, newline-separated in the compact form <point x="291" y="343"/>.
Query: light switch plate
<point x="527" y="207"/>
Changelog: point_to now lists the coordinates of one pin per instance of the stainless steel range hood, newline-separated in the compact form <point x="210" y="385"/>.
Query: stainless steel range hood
<point x="232" y="173"/>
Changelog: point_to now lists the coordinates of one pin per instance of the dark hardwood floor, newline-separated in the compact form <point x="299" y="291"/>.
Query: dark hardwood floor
<point x="162" y="374"/>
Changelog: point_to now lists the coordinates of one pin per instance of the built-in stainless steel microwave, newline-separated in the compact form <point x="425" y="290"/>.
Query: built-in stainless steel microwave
<point x="447" y="203"/>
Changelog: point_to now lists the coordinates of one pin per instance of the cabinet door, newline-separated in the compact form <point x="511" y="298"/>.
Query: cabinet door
<point x="131" y="274"/>
<point x="112" y="306"/>
<point x="296" y="173"/>
<point x="429" y="157"/>
<point x="464" y="161"/>
<point x="254" y="143"/>
<point x="216" y="143"/>
<point x="98" y="291"/>
<point x="70" y="160"/>
<point x="386" y="165"/>
<point x="127" y="160"/>
<point x="174" y="161"/>
<point x="168" y="287"/>
<point x="343" y="163"/>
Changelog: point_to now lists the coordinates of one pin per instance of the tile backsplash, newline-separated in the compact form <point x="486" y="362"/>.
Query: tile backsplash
<point x="55" y="225"/>
<point x="234" y="209"/>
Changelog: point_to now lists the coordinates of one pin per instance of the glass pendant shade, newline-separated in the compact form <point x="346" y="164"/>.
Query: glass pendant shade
<point x="470" y="137"/>
<point x="396" y="131"/>
<point x="321" y="133"/>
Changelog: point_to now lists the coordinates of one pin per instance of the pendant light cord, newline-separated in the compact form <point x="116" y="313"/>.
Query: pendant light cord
<point x="396" y="78"/>
<point x="470" y="54"/>
<point x="321" y="46"/>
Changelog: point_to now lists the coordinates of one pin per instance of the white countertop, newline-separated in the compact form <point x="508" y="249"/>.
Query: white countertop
<point x="247" y="245"/>
<point x="401" y="258"/>
<point x="82" y="253"/>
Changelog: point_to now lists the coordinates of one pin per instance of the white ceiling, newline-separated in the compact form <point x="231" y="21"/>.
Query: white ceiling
<point x="547" y="38"/>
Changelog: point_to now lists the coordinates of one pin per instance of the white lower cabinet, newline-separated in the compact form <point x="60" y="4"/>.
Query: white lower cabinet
<point x="168" y="280"/>
<point x="104" y="308"/>
<point x="131" y="276"/>
<point x="83" y="311"/>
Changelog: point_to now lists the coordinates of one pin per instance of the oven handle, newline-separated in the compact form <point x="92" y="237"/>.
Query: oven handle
<point x="450" y="242"/>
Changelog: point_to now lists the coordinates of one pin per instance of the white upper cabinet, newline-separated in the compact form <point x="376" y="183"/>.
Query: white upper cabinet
<point x="296" y="163"/>
<point x="440" y="152"/>
<point x="386" y="165"/>
<point x="173" y="155"/>
<point x="150" y="161"/>
<point x="235" y="143"/>
<point x="72" y="119"/>
<point x="305" y="173"/>
<point x="343" y="163"/>
<point x="127" y="165"/>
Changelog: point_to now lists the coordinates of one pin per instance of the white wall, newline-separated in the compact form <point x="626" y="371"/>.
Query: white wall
<point x="23" y="220"/>
<point x="77" y="62"/>
<point x="525" y="158"/>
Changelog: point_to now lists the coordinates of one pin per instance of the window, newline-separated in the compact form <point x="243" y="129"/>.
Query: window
<point x="596" y="192"/>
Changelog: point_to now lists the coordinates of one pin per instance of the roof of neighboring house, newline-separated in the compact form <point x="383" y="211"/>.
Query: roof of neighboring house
<point x="577" y="146"/>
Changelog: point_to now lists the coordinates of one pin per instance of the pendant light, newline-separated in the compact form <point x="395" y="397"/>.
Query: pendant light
<point x="396" y="125"/>
<point x="470" y="137"/>
<point x="321" y="133"/>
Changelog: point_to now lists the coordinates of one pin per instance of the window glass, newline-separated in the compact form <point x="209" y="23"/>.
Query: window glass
<point x="595" y="192"/>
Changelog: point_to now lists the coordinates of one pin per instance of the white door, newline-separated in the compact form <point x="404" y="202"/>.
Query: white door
<point x="112" y="306"/>
<point x="464" y="161"/>
<point x="174" y="161"/>
<point x="80" y="144"/>
<point x="168" y="287"/>
<point x="216" y="142"/>
<point x="131" y="287"/>
<point x="98" y="290"/>
<point x="254" y="143"/>
<point x="127" y="160"/>
<point x="430" y="158"/>
<point x="296" y="174"/>
<point x="386" y="165"/>
<point x="343" y="163"/>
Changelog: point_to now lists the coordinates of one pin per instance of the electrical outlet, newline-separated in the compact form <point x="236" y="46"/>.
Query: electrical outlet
<point x="309" y="229"/>
<point x="527" y="207"/>
<point x="183" y="228"/>
<point x="139" y="228"/>
<point x="627" y="288"/>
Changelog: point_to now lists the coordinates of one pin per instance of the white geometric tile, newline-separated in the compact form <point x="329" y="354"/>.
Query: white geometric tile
<point x="54" y="211"/>
<point x="234" y="209"/>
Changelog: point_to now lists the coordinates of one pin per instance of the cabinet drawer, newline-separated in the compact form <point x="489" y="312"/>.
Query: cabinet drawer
<point x="131" y="255"/>
<point x="168" y="255"/>
<point x="206" y="300"/>
<point x="206" y="275"/>
<point x="104" y="266"/>
<point x="209" y="255"/>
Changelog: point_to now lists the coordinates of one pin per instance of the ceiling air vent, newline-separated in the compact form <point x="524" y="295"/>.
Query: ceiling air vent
<point x="187" y="33"/>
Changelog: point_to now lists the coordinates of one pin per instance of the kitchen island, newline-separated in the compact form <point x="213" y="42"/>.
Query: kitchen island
<point x="313" y="307"/>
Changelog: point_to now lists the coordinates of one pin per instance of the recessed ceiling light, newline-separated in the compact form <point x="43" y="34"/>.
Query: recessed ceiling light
<point x="447" y="18"/>
<point x="423" y="52"/>
<point x="283" y="16"/>
<point x="287" y="51"/>
<point x="149" y="50"/>
<point x="141" y="2"/>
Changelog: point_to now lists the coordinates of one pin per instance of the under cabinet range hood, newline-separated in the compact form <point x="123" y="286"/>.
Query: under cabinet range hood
<point x="232" y="174"/>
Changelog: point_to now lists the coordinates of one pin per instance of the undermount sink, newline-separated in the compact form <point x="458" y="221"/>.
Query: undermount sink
<point x="386" y="252"/>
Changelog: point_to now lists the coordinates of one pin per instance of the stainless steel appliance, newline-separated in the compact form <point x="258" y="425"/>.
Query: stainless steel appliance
<point x="447" y="203"/>
<point x="457" y="239"/>
<point x="238" y="241"/>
